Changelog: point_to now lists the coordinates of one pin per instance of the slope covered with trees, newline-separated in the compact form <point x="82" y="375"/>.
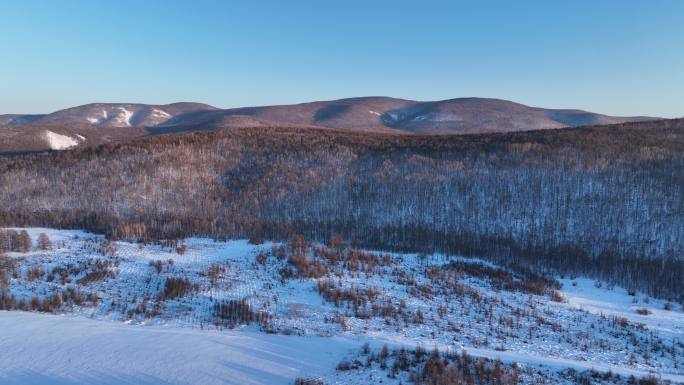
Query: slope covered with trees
<point x="602" y="200"/>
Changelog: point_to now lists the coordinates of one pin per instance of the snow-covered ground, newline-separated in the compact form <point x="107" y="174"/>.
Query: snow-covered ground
<point x="58" y="141"/>
<point x="584" y="294"/>
<point x="57" y="349"/>
<point x="133" y="334"/>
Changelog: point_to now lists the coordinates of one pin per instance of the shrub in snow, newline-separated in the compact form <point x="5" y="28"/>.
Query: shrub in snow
<point x="308" y="381"/>
<point x="238" y="312"/>
<point x="175" y="287"/>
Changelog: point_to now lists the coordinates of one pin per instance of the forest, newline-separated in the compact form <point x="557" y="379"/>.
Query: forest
<point x="603" y="201"/>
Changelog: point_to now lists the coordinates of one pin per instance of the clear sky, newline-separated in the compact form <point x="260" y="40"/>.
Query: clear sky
<point x="617" y="57"/>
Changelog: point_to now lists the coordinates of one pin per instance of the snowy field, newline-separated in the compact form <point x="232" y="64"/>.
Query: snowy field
<point x="298" y="319"/>
<point x="54" y="349"/>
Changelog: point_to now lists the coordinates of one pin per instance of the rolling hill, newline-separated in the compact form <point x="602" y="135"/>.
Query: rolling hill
<point x="453" y="116"/>
<point x="97" y="123"/>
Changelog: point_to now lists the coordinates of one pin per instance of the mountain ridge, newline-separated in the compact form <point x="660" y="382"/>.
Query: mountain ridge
<point x="369" y="113"/>
<point x="97" y="123"/>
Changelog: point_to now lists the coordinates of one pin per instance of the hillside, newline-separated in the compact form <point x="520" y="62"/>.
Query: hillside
<point x="239" y="312"/>
<point x="600" y="200"/>
<point x="109" y="115"/>
<point x="17" y="139"/>
<point x="383" y="114"/>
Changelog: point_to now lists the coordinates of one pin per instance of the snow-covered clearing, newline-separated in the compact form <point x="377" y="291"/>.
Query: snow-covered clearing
<point x="53" y="349"/>
<point x="271" y="312"/>
<point x="59" y="142"/>
<point x="584" y="294"/>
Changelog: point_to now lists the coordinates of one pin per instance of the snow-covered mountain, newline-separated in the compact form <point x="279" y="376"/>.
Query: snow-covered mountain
<point x="380" y="114"/>
<point x="383" y="114"/>
<point x="125" y="122"/>
<point x="109" y="114"/>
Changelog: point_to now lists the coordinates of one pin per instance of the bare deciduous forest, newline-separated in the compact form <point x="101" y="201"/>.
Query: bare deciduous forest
<point x="603" y="200"/>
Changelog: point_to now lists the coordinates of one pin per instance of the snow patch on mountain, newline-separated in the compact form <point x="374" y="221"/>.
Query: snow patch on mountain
<point x="99" y="120"/>
<point x="438" y="117"/>
<point x="123" y="117"/>
<point x="154" y="117"/>
<point x="163" y="114"/>
<point x="59" y="142"/>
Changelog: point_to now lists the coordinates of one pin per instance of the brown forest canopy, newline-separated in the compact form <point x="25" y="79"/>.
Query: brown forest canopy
<point x="602" y="200"/>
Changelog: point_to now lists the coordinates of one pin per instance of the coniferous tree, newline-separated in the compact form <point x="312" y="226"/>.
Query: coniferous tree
<point x="44" y="242"/>
<point x="24" y="242"/>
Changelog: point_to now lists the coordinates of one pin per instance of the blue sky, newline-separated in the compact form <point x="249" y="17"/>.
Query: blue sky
<point x="615" y="57"/>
